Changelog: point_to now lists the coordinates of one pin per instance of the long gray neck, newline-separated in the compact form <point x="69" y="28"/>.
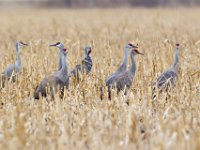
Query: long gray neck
<point x="18" y="59"/>
<point x="175" y="64"/>
<point x="86" y="54"/>
<point x="64" y="69"/>
<point x="133" y="65"/>
<point x="60" y="59"/>
<point x="123" y="66"/>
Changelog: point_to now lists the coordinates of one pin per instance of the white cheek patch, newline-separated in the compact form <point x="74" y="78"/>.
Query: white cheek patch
<point x="58" y="45"/>
<point x="19" y="44"/>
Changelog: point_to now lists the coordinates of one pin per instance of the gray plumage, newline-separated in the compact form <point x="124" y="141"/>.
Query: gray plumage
<point x="123" y="67"/>
<point x="61" y="47"/>
<point x="54" y="82"/>
<point x="168" y="78"/>
<point x="124" y="80"/>
<point x="13" y="68"/>
<point x="85" y="66"/>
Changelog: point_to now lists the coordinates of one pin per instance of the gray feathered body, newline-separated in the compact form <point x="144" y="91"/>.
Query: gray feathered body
<point x="123" y="80"/>
<point x="113" y="77"/>
<point x="122" y="68"/>
<point x="9" y="73"/>
<point x="54" y="83"/>
<point x="13" y="68"/>
<point x="166" y="79"/>
<point x="84" y="67"/>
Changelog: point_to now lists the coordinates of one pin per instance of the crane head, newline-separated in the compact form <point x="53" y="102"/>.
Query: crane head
<point x="135" y="52"/>
<point x="177" y="45"/>
<point x="88" y="50"/>
<point x="130" y="46"/>
<point x="133" y="46"/>
<point x="58" y="44"/>
<point x="20" y="44"/>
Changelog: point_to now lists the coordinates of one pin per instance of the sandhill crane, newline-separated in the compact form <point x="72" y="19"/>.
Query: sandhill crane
<point x="85" y="66"/>
<point x="167" y="78"/>
<point x="8" y="73"/>
<point x="57" y="80"/>
<point x="122" y="68"/>
<point x="61" y="47"/>
<point x="124" y="79"/>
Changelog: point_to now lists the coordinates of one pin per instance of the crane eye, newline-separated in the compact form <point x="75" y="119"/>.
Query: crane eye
<point x="133" y="46"/>
<point x="130" y="44"/>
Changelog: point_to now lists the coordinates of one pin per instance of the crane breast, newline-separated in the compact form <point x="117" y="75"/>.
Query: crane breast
<point x="168" y="77"/>
<point x="88" y="64"/>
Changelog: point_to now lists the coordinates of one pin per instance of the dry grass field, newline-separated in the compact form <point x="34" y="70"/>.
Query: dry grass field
<point x="81" y="120"/>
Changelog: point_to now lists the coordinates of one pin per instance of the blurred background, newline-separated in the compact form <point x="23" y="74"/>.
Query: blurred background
<point x="101" y="3"/>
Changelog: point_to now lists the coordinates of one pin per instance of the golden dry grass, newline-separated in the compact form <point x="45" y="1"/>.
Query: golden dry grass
<point x="81" y="120"/>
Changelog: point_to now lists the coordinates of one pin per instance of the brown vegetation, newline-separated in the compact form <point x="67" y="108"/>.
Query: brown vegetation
<point x="81" y="120"/>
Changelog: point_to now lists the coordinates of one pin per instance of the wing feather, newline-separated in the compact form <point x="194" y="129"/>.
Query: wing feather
<point x="167" y="77"/>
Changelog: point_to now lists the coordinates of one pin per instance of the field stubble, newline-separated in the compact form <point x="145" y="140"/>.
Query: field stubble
<point x="81" y="120"/>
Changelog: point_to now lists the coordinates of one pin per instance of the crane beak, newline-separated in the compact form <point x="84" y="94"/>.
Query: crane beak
<point x="140" y="53"/>
<point x="52" y="45"/>
<point x="137" y="52"/>
<point x="25" y="44"/>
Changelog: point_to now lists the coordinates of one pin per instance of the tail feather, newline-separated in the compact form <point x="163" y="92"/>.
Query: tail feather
<point x="2" y="83"/>
<point x="39" y="90"/>
<point x="109" y="93"/>
<point x="101" y="92"/>
<point x="154" y="92"/>
<point x="36" y="93"/>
